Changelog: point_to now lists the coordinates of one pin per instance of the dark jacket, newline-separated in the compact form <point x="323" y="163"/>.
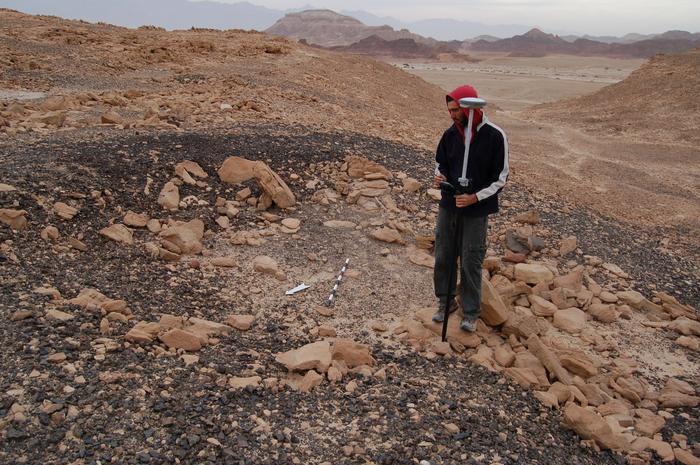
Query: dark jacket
<point x="487" y="167"/>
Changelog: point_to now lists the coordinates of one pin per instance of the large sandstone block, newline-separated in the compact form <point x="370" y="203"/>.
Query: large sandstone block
<point x="493" y="310"/>
<point x="533" y="273"/>
<point x="316" y="356"/>
<point x="589" y="425"/>
<point x="186" y="236"/>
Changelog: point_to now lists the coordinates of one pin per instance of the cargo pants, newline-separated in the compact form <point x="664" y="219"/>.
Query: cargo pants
<point x="457" y="235"/>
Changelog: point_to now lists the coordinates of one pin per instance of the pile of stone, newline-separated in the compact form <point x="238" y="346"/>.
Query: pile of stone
<point x="334" y="358"/>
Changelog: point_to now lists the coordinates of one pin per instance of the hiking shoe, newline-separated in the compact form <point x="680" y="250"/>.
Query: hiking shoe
<point x="439" y="316"/>
<point x="469" y="326"/>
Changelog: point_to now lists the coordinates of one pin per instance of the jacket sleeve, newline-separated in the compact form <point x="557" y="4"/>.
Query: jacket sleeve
<point x="499" y="166"/>
<point x="441" y="157"/>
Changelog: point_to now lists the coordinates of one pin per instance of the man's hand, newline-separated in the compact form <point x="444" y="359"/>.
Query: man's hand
<point x="438" y="179"/>
<point x="464" y="200"/>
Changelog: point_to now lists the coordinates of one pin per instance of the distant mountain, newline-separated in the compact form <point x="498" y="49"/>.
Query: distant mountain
<point x="538" y="43"/>
<point x="397" y="48"/>
<point x="170" y="14"/>
<point x="329" y="29"/>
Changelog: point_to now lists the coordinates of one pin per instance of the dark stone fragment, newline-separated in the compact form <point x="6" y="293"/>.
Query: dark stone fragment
<point x="15" y="434"/>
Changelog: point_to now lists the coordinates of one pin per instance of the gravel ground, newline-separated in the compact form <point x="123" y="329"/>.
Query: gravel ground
<point x="159" y="411"/>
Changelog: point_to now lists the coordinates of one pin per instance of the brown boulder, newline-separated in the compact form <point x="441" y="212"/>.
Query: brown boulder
<point x="181" y="339"/>
<point x="186" y="236"/>
<point x="589" y="425"/>
<point x="317" y="356"/>
<point x="359" y="167"/>
<point x="13" y="218"/>
<point x="241" y="322"/>
<point x="352" y="353"/>
<point x="118" y="233"/>
<point x="169" y="197"/>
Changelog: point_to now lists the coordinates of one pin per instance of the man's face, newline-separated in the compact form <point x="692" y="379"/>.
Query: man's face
<point x="456" y="113"/>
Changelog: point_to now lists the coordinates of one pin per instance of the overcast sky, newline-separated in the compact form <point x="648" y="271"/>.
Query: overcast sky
<point x="599" y="17"/>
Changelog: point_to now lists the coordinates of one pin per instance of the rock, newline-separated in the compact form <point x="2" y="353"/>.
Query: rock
<point x="692" y="343"/>
<point x="50" y="233"/>
<point x="241" y="322"/>
<point x="224" y="262"/>
<point x="154" y="226"/>
<point x="169" y="197"/>
<point x="441" y="348"/>
<point x="434" y="194"/>
<point x="572" y="281"/>
<point x="674" y="399"/>
<point x="604" y="313"/>
<point x="549" y="360"/>
<point x="58" y="357"/>
<point x="326" y="331"/>
<point x="533" y="273"/>
<point x="58" y="315"/>
<point x="352" y="353"/>
<point x="13" y="218"/>
<point x="616" y="270"/>
<point x="186" y="236"/>
<point x="7" y="188"/>
<point x="265" y="264"/>
<point x="119" y="233"/>
<point x="143" y="332"/>
<point x="317" y="356"/>
<point x="541" y="307"/>
<point x="192" y="168"/>
<point x="181" y="339"/>
<point x="64" y="211"/>
<point x="223" y="221"/>
<point x="420" y="257"/>
<point x="524" y="326"/>
<point x="567" y="245"/>
<point x="572" y="320"/>
<point x="525" y="377"/>
<point x="361" y="168"/>
<point x="137" y="220"/>
<point x="513" y="257"/>
<point x="589" y="425"/>
<point x="451" y="428"/>
<point x="51" y="118"/>
<point x="579" y="364"/>
<point x="504" y="355"/>
<point x="516" y="243"/>
<point x="411" y="184"/>
<point x="387" y="235"/>
<point x="528" y="217"/>
<point x="243" y="383"/>
<point x="685" y="326"/>
<point x="111" y="117"/>
<point x="685" y="457"/>
<point x="310" y="380"/>
<point x="493" y="310"/>
<point x="292" y="224"/>
<point x="648" y="423"/>
<point x="662" y="449"/>
<point x="323" y="310"/>
<point x="236" y="170"/>
<point x="339" y="224"/>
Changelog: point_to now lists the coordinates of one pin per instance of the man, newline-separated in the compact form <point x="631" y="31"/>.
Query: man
<point x="463" y="218"/>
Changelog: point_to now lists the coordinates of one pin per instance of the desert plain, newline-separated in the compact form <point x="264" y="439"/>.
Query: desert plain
<point x="161" y="191"/>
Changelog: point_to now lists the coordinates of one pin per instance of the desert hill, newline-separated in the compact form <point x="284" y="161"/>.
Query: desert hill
<point x="163" y="196"/>
<point x="328" y="28"/>
<point x="403" y="48"/>
<point x="536" y="43"/>
<point x="639" y="104"/>
<point x="148" y="72"/>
